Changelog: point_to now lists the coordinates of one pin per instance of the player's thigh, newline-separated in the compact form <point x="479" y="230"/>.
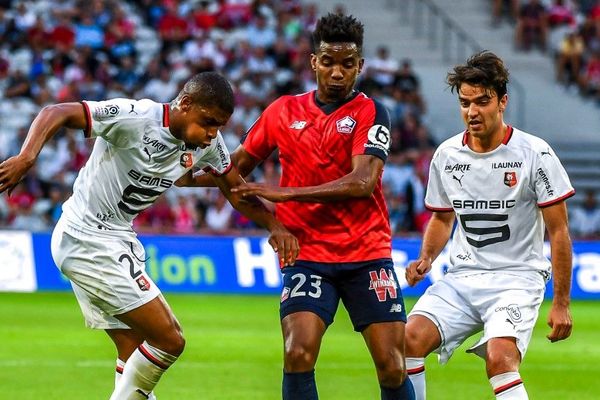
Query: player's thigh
<point x="512" y="308"/>
<point x="108" y="276"/>
<point x="308" y="287"/>
<point x="371" y="294"/>
<point x="385" y="341"/>
<point x="445" y="304"/>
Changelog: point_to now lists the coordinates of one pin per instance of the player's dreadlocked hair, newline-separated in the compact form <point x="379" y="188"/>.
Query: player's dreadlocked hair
<point x="209" y="89"/>
<point x="483" y="69"/>
<point x="334" y="28"/>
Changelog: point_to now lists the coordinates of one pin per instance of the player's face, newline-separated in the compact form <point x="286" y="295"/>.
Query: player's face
<point x="337" y="66"/>
<point x="198" y="125"/>
<point x="481" y="110"/>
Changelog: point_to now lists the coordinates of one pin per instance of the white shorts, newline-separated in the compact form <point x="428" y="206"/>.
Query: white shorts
<point x="108" y="276"/>
<point x="501" y="304"/>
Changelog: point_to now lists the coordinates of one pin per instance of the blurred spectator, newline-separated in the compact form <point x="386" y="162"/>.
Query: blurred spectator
<point x="532" y="26"/>
<point x="585" y="220"/>
<point x="219" y="214"/>
<point x="509" y="8"/>
<point x="383" y="66"/>
<point x="569" y="58"/>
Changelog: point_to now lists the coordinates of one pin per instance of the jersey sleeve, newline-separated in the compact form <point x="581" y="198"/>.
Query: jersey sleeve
<point x="109" y="119"/>
<point x="373" y="135"/>
<point x="551" y="182"/>
<point x="217" y="160"/>
<point x="260" y="140"/>
<point x="436" y="198"/>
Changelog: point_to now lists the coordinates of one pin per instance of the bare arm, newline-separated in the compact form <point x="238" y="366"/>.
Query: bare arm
<point x="240" y="158"/>
<point x="436" y="236"/>
<point x="559" y="319"/>
<point x="359" y="183"/>
<point x="43" y="128"/>
<point x="282" y="241"/>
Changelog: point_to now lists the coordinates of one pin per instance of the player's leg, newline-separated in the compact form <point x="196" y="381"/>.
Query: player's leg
<point x="439" y="322"/>
<point x="163" y="344"/>
<point x="502" y="365"/>
<point x="308" y="304"/>
<point x="422" y="338"/>
<point x="374" y="302"/>
<point x="302" y="334"/>
<point x="126" y="341"/>
<point x="509" y="311"/>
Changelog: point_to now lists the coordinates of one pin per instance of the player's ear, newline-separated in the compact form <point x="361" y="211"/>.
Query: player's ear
<point x="185" y="103"/>
<point x="361" y="62"/>
<point x="503" y="102"/>
<point x="313" y="62"/>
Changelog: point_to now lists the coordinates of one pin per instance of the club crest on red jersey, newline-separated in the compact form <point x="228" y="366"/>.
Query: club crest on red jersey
<point x="510" y="179"/>
<point x="383" y="284"/>
<point x="186" y="160"/>
<point x="345" y="125"/>
<point x="143" y="283"/>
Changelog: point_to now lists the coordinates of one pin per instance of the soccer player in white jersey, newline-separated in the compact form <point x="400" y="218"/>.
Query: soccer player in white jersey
<point x="504" y="187"/>
<point x="142" y="148"/>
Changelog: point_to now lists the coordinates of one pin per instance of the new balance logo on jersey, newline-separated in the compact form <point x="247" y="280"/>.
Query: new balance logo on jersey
<point x="458" y="179"/>
<point x="383" y="284"/>
<point x="457" y="168"/>
<point x="396" y="308"/>
<point x="298" y="125"/>
<point x="510" y="179"/>
<point x="345" y="125"/>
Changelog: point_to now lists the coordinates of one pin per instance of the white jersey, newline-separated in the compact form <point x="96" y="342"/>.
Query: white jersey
<point x="497" y="198"/>
<point x="134" y="160"/>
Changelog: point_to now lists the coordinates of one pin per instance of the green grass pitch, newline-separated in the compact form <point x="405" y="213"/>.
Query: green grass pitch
<point x="234" y="352"/>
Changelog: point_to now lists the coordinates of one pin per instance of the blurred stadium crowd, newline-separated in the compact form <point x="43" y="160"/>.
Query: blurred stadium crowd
<point x="569" y="30"/>
<point x="69" y="50"/>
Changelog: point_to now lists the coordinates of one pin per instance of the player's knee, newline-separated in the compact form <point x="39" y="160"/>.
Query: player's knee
<point x="174" y="342"/>
<point x="299" y="358"/>
<point x="390" y="371"/>
<point x="501" y="359"/>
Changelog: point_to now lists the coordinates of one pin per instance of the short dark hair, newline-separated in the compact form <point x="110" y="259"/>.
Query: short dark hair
<point x="482" y="69"/>
<point x="337" y="28"/>
<point x="210" y="89"/>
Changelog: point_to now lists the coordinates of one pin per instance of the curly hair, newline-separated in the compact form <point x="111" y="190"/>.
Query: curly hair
<point x="482" y="69"/>
<point x="338" y="28"/>
<point x="209" y="89"/>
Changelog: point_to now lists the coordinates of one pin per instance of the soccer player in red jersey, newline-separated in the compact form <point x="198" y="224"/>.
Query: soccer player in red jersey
<point x="332" y="143"/>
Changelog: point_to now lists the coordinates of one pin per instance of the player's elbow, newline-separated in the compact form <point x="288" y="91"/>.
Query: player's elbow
<point x="362" y="189"/>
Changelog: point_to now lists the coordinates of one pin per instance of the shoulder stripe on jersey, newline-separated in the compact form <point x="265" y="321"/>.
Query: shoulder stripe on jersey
<point x="465" y="138"/>
<point x="438" y="209"/>
<point x="165" y="118"/>
<point x="561" y="198"/>
<point x="508" y="135"/>
<point x="88" y="120"/>
<point x="382" y="115"/>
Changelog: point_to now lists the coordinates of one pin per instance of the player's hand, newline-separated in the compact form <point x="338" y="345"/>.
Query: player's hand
<point x="272" y="193"/>
<point x="561" y="322"/>
<point x="12" y="172"/>
<point x="285" y="245"/>
<point x="417" y="270"/>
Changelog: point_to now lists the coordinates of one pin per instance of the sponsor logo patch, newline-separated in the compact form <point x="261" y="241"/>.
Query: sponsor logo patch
<point x="513" y="311"/>
<point x="383" y="284"/>
<point x="345" y="125"/>
<point x="285" y="294"/>
<point x="379" y="137"/>
<point x="298" y="125"/>
<point x="457" y="168"/>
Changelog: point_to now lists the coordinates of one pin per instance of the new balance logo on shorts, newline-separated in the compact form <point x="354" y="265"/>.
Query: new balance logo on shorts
<point x="383" y="284"/>
<point x="396" y="308"/>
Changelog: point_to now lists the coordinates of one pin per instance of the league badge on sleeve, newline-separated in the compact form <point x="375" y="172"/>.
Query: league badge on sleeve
<point x="510" y="179"/>
<point x="186" y="160"/>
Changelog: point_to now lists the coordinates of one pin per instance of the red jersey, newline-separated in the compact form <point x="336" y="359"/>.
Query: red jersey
<point x="316" y="144"/>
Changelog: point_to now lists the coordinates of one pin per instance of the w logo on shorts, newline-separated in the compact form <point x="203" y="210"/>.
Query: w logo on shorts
<point x="383" y="284"/>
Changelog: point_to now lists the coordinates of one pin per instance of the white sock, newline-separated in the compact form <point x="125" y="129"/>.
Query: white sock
<point x="119" y="371"/>
<point x="141" y="373"/>
<point x="415" y="367"/>
<point x="509" y="386"/>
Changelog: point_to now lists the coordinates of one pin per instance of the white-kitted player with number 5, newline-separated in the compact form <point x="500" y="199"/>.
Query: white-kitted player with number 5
<point x="504" y="188"/>
<point x="142" y="148"/>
